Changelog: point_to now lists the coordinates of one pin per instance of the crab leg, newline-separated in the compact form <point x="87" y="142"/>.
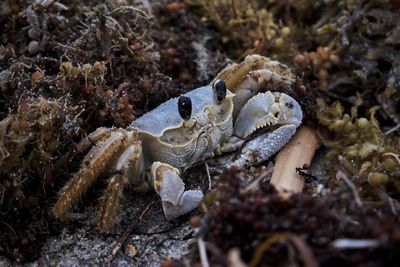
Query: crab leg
<point x="129" y="167"/>
<point x="175" y="200"/>
<point x="93" y="165"/>
<point x="92" y="138"/>
<point x="267" y="69"/>
<point x="255" y="72"/>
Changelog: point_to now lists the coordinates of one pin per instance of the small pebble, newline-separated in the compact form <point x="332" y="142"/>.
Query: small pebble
<point x="33" y="47"/>
<point x="130" y="250"/>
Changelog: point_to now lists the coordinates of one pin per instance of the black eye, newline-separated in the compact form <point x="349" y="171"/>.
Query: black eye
<point x="289" y="105"/>
<point x="219" y="89"/>
<point x="185" y="107"/>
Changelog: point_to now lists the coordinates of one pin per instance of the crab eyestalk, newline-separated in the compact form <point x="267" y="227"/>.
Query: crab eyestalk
<point x="219" y="89"/>
<point x="185" y="107"/>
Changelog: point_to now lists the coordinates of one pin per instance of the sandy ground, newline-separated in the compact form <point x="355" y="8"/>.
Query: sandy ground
<point x="155" y="238"/>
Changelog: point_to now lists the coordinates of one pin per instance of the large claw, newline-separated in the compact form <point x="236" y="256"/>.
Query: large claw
<point x="259" y="111"/>
<point x="263" y="110"/>
<point x="175" y="200"/>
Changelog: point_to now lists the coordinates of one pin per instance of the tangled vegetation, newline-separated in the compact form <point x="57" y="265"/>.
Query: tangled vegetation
<point x="68" y="67"/>
<point x="270" y="230"/>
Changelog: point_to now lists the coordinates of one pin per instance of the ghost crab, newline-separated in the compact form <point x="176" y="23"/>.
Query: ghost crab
<point x="229" y="114"/>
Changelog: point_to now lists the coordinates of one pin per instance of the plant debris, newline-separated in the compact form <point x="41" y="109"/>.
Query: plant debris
<point x="66" y="69"/>
<point x="271" y="230"/>
<point x="69" y="67"/>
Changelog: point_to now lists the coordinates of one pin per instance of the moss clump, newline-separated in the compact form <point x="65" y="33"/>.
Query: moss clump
<point x="359" y="144"/>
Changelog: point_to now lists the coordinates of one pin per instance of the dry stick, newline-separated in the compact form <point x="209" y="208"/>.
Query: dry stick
<point x="208" y="175"/>
<point x="203" y="253"/>
<point x="254" y="184"/>
<point x="298" y="152"/>
<point x="146" y="207"/>
<point x="341" y="175"/>
<point x="395" y="128"/>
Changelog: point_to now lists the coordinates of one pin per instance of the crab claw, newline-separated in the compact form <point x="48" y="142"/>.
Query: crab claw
<point x="267" y="109"/>
<point x="175" y="200"/>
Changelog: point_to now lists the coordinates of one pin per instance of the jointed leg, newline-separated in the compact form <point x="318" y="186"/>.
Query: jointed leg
<point x="99" y="134"/>
<point x="93" y="165"/>
<point x="109" y="202"/>
<point x="129" y="165"/>
<point x="253" y="74"/>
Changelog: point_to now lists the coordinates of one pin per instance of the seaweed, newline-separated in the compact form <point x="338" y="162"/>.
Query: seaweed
<point x="269" y="229"/>
<point x="56" y="71"/>
<point x="68" y="67"/>
<point x="359" y="139"/>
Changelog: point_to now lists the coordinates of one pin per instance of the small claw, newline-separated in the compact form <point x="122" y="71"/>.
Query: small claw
<point x="167" y="182"/>
<point x="190" y="199"/>
<point x="175" y="200"/>
<point x="171" y="188"/>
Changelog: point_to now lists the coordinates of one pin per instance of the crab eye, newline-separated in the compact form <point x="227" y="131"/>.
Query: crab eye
<point x="185" y="107"/>
<point x="219" y="88"/>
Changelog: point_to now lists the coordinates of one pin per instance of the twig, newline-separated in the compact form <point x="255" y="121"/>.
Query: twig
<point x="393" y="204"/>
<point x="9" y="226"/>
<point x="347" y="165"/>
<point x="395" y="128"/>
<point x="265" y="245"/>
<point x="72" y="50"/>
<point x="297" y="153"/>
<point x="125" y="9"/>
<point x="350" y="184"/>
<point x="234" y="258"/>
<point x="347" y="243"/>
<point x="208" y="175"/>
<point x="117" y="246"/>
<point x="305" y="251"/>
<point x="203" y="254"/>
<point x="255" y="183"/>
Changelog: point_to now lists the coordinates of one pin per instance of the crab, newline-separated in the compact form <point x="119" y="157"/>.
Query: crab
<point x="239" y="111"/>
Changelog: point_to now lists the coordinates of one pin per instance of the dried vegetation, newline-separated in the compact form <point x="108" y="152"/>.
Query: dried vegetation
<point x="346" y="54"/>
<point x="67" y="68"/>
<point x="272" y="231"/>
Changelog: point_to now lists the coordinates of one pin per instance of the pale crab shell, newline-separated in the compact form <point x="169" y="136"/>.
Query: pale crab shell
<point x="168" y="138"/>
